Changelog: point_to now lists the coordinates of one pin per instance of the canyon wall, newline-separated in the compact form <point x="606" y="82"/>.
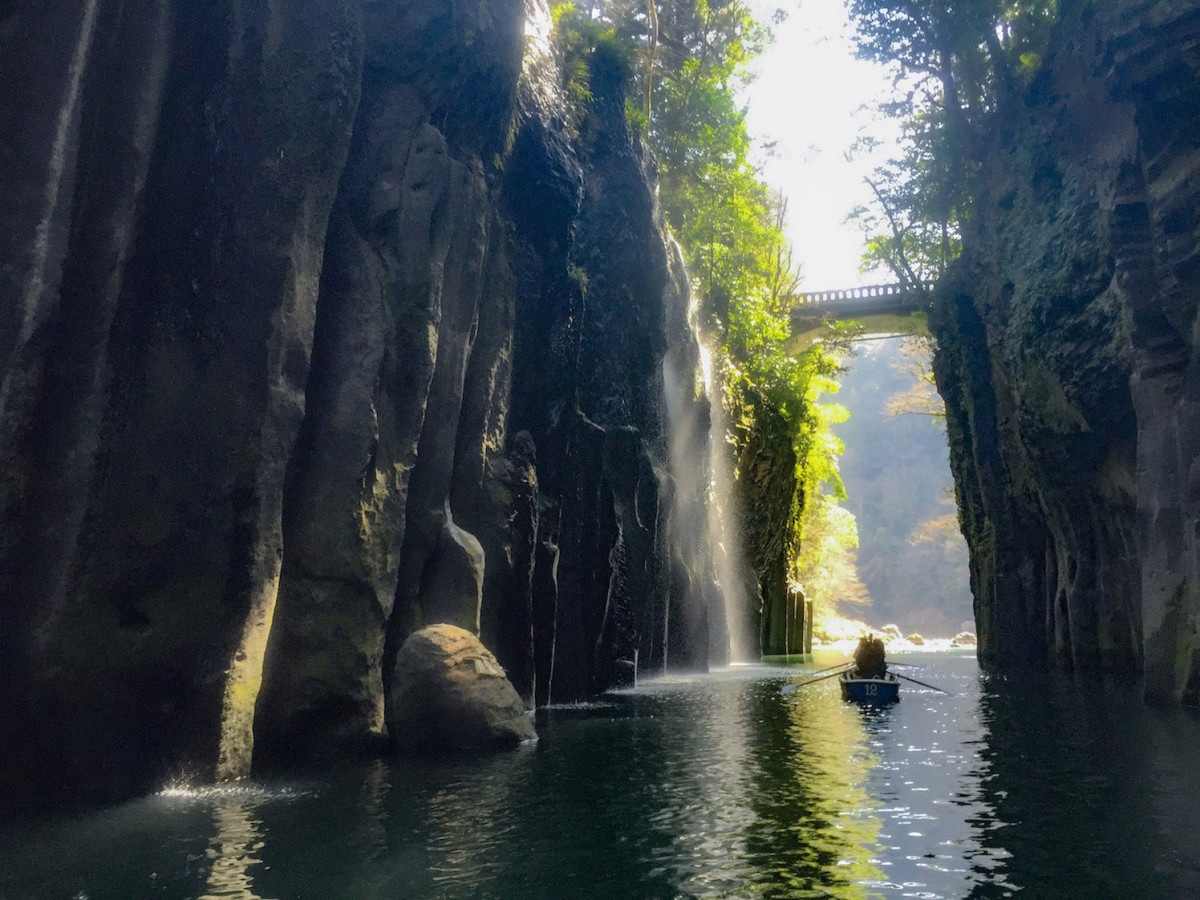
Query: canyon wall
<point x="322" y="321"/>
<point x="1069" y="356"/>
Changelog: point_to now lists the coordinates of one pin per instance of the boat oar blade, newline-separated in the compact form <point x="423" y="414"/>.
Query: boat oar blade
<point x="841" y="665"/>
<point x="923" y="684"/>
<point x="789" y="688"/>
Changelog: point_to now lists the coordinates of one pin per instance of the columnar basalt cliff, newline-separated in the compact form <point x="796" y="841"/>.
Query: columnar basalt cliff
<point x="322" y="321"/>
<point x="1069" y="356"/>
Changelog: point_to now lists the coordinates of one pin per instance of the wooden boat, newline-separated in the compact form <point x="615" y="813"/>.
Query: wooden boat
<point x="869" y="690"/>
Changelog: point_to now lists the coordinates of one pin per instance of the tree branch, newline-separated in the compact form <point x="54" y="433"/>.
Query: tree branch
<point x="903" y="270"/>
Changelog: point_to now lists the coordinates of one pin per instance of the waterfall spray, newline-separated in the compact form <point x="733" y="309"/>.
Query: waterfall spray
<point x="703" y="520"/>
<point x="723" y="527"/>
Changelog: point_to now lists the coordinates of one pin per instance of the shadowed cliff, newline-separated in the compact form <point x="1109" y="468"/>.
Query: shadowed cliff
<point x="323" y="321"/>
<point x="1068" y="356"/>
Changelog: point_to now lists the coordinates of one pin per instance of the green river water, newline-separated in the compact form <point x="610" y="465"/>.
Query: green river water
<point x="708" y="786"/>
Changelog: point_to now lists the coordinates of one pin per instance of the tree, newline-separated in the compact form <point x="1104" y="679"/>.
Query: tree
<point x="921" y="397"/>
<point x="686" y="59"/>
<point x="955" y="62"/>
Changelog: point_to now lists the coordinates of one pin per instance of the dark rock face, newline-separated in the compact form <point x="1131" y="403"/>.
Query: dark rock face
<point x="309" y="305"/>
<point x="449" y="694"/>
<point x="1069" y="357"/>
<point x="185" y="160"/>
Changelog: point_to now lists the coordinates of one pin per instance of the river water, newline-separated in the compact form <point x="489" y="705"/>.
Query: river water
<point x="705" y="786"/>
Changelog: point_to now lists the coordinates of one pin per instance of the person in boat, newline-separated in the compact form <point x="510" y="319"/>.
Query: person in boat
<point x="869" y="661"/>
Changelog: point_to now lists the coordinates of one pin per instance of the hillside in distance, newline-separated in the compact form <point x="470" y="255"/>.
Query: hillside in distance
<point x="911" y="556"/>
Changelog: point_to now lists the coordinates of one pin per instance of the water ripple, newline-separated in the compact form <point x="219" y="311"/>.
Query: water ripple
<point x="693" y="787"/>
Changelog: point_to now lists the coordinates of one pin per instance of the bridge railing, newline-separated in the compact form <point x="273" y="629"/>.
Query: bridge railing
<point x="867" y="293"/>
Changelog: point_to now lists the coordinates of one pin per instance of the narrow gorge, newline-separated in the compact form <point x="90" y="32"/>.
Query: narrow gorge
<point x="325" y="320"/>
<point x="1069" y="356"/>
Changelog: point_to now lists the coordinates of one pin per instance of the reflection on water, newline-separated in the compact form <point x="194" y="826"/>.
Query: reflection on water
<point x="1080" y="787"/>
<point x="714" y="827"/>
<point x="815" y="831"/>
<point x="708" y="786"/>
<point x="232" y="851"/>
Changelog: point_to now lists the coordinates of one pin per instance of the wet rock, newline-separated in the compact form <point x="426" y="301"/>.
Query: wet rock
<point x="1069" y="360"/>
<point x="587" y="384"/>
<point x="284" y="308"/>
<point x="505" y="519"/>
<point x="185" y="162"/>
<point x="400" y="297"/>
<point x="917" y="640"/>
<point x="449" y="693"/>
<point x="964" y="639"/>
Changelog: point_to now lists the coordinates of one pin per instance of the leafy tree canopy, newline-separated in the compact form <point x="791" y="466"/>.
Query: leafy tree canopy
<point x="687" y="59"/>
<point x="954" y="63"/>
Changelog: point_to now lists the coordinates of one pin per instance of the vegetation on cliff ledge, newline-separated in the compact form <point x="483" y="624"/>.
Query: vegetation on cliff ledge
<point x="684" y="60"/>
<point x="954" y="64"/>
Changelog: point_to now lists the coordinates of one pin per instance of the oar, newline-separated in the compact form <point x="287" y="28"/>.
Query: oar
<point x="789" y="688"/>
<point x="921" y="683"/>
<point x="830" y="669"/>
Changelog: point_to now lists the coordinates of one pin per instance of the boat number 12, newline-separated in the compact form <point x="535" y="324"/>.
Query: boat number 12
<point x="871" y="688"/>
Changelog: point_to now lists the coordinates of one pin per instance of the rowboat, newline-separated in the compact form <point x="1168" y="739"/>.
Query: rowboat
<point x="885" y="689"/>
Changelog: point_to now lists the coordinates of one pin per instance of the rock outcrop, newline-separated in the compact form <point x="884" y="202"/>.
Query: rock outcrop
<point x="1069" y="356"/>
<point x="176" y="168"/>
<point x="449" y="694"/>
<point x="323" y="321"/>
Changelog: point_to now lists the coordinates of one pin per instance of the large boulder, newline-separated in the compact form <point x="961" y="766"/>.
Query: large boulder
<point x="450" y="694"/>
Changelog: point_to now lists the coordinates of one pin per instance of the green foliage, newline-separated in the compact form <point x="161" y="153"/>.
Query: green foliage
<point x="823" y="562"/>
<point x="639" y="122"/>
<point x="827" y="563"/>
<point x="954" y="65"/>
<point x="575" y="37"/>
<point x="913" y="230"/>
<point x="730" y="225"/>
<point x="584" y="42"/>
<point x="685" y="60"/>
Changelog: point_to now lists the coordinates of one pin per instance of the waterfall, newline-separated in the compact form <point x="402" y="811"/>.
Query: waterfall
<point x="704" y="526"/>
<point x="721" y="521"/>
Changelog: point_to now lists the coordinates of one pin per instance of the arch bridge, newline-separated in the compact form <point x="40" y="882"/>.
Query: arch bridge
<point x="882" y="310"/>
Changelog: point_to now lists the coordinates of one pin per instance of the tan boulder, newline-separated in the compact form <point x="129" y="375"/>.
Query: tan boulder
<point x="450" y="694"/>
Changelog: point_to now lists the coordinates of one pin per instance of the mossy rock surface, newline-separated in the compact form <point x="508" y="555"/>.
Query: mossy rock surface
<point x="449" y="694"/>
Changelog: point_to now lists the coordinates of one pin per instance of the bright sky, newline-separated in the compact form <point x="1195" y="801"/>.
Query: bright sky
<point x="808" y="97"/>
